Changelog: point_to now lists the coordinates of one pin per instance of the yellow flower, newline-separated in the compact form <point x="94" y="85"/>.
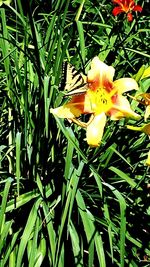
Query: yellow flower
<point x="146" y="73"/>
<point x="145" y="128"/>
<point x="146" y="102"/>
<point x="6" y="2"/>
<point x="103" y="98"/>
<point x="148" y="159"/>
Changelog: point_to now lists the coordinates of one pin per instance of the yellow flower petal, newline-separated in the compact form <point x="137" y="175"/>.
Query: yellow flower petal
<point x="65" y="112"/>
<point x="147" y="113"/>
<point x="95" y="130"/>
<point x="79" y="104"/>
<point x="122" y="109"/>
<point x="125" y="84"/>
<point x="134" y="128"/>
<point x="99" y="74"/>
<point x="148" y="159"/>
<point x="145" y="128"/>
<point x="146" y="73"/>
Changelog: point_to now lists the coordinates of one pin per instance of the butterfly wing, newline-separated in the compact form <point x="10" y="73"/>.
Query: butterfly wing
<point x="75" y="82"/>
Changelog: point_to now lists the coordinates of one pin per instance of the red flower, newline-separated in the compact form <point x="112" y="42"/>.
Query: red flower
<point x="126" y="6"/>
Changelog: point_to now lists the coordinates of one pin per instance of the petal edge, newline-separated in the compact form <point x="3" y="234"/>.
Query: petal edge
<point x="125" y="84"/>
<point x="95" y="130"/>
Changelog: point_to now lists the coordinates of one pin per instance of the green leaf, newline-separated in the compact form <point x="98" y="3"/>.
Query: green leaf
<point x="123" y="176"/>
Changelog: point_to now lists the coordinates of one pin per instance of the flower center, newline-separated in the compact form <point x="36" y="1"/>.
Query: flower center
<point x="101" y="100"/>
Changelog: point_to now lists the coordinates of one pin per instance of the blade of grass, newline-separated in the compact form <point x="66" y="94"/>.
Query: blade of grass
<point x="90" y="230"/>
<point x="81" y="40"/>
<point x="51" y="232"/>
<point x="79" y="10"/>
<point x="138" y="52"/>
<point x="4" y="234"/>
<point x="76" y="246"/>
<point x="32" y="250"/>
<point x="28" y="231"/>
<point x="110" y="233"/>
<point x="68" y="208"/>
<point x="124" y="176"/>
<point x="10" y="251"/>
<point x="122" y="205"/>
<point x="18" y="151"/>
<point x="21" y="200"/>
<point x="66" y="132"/>
<point x="4" y="203"/>
<point x="41" y="252"/>
<point x="46" y="103"/>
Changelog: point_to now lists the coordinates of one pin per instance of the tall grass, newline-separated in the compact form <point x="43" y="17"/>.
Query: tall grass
<point x="63" y="203"/>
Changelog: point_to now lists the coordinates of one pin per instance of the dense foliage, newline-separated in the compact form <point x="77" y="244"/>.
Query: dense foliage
<point x="63" y="203"/>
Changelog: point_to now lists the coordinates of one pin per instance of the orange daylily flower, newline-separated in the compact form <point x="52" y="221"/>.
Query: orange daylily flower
<point x="103" y="98"/>
<point x="126" y="6"/>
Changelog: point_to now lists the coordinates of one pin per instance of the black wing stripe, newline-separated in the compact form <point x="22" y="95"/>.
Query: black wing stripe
<point x="72" y="81"/>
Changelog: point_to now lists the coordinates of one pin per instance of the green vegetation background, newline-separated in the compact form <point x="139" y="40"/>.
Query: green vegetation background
<point x="63" y="203"/>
